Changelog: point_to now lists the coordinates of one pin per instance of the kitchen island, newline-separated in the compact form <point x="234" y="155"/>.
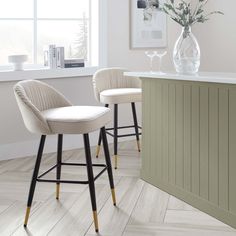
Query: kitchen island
<point x="189" y="139"/>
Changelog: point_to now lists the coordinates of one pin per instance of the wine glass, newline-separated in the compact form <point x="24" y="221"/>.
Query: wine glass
<point x="160" y="55"/>
<point x="151" y="55"/>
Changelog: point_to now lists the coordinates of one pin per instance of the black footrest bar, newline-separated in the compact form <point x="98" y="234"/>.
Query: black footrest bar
<point x="46" y="172"/>
<point x="124" y="127"/>
<point x="122" y="135"/>
<point x="62" y="181"/>
<point x="81" y="164"/>
<point x="126" y="135"/>
<point x="71" y="181"/>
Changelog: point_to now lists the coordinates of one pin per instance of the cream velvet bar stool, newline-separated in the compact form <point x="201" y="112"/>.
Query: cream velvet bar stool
<point x="45" y="111"/>
<point x="111" y="87"/>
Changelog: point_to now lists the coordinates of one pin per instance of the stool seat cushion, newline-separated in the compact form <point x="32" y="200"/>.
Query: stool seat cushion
<point x="121" y="95"/>
<point x="76" y="119"/>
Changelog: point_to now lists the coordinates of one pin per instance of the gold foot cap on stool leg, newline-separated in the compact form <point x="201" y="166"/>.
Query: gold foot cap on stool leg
<point x="27" y="216"/>
<point x="138" y="145"/>
<point x="95" y="219"/>
<point x="98" y="150"/>
<point x="57" y="191"/>
<point x="113" y="194"/>
<point x="116" y="160"/>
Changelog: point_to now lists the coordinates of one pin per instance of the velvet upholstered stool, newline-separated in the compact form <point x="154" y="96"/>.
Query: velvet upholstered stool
<point x="46" y="112"/>
<point x="111" y="87"/>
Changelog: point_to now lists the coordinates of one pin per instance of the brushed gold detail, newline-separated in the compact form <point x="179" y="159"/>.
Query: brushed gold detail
<point x="98" y="150"/>
<point x="95" y="218"/>
<point x="113" y="194"/>
<point x="57" y="191"/>
<point x="138" y="144"/>
<point x="27" y="216"/>
<point x="116" y="160"/>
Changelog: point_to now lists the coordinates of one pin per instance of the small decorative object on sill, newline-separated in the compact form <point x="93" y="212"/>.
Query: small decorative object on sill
<point x="50" y="56"/>
<point x="54" y="56"/>
<point x="17" y="61"/>
<point x="60" y="54"/>
<point x="186" y="54"/>
<point x="73" y="63"/>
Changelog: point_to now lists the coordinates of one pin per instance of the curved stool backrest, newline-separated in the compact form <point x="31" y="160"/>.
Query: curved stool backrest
<point x="33" y="97"/>
<point x="112" y="78"/>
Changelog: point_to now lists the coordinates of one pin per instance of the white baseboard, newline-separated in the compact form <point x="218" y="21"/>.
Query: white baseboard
<point x="30" y="148"/>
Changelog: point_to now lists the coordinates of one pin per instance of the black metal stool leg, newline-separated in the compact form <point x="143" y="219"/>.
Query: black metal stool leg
<point x="100" y="139"/>
<point x="135" y="124"/>
<point x="108" y="163"/>
<point x="34" y="178"/>
<point x="115" y="133"/>
<point x="91" y="179"/>
<point x="59" y="157"/>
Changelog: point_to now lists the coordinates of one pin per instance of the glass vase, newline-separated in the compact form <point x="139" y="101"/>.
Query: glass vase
<point x="186" y="54"/>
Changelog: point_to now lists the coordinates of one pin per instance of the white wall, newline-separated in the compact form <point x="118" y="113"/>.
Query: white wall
<point x="217" y="39"/>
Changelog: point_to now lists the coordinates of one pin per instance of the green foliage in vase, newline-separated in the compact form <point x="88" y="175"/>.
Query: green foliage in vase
<point x="185" y="14"/>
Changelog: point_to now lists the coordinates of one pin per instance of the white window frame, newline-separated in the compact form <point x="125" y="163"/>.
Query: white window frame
<point x="41" y="72"/>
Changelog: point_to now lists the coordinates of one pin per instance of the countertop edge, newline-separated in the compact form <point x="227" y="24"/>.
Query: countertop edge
<point x="207" y="77"/>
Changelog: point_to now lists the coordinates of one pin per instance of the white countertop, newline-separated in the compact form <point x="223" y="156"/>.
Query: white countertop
<point x="210" y="77"/>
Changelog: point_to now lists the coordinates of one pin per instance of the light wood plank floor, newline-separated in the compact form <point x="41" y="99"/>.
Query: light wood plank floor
<point x="142" y="209"/>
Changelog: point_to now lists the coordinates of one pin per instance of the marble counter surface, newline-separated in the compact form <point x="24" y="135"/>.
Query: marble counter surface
<point x="209" y="77"/>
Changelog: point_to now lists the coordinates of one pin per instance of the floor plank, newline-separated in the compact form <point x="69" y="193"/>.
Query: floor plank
<point x="154" y="201"/>
<point x="176" y="204"/>
<point x="112" y="221"/>
<point x="192" y="218"/>
<point x="79" y="217"/>
<point x="48" y="215"/>
<point x="173" y="230"/>
<point x="13" y="217"/>
<point x="142" y="210"/>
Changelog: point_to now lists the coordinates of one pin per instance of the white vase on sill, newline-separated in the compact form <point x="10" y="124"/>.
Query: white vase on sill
<point x="17" y="61"/>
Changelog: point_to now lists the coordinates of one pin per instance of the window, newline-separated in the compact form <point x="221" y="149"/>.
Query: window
<point x="27" y="26"/>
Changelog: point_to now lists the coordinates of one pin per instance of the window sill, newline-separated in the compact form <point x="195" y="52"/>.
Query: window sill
<point x="6" y="76"/>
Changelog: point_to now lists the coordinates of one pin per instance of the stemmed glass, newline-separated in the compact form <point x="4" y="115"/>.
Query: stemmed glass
<point x="151" y="55"/>
<point x="160" y="55"/>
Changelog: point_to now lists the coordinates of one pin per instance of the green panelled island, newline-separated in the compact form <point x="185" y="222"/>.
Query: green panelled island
<point x="189" y="139"/>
